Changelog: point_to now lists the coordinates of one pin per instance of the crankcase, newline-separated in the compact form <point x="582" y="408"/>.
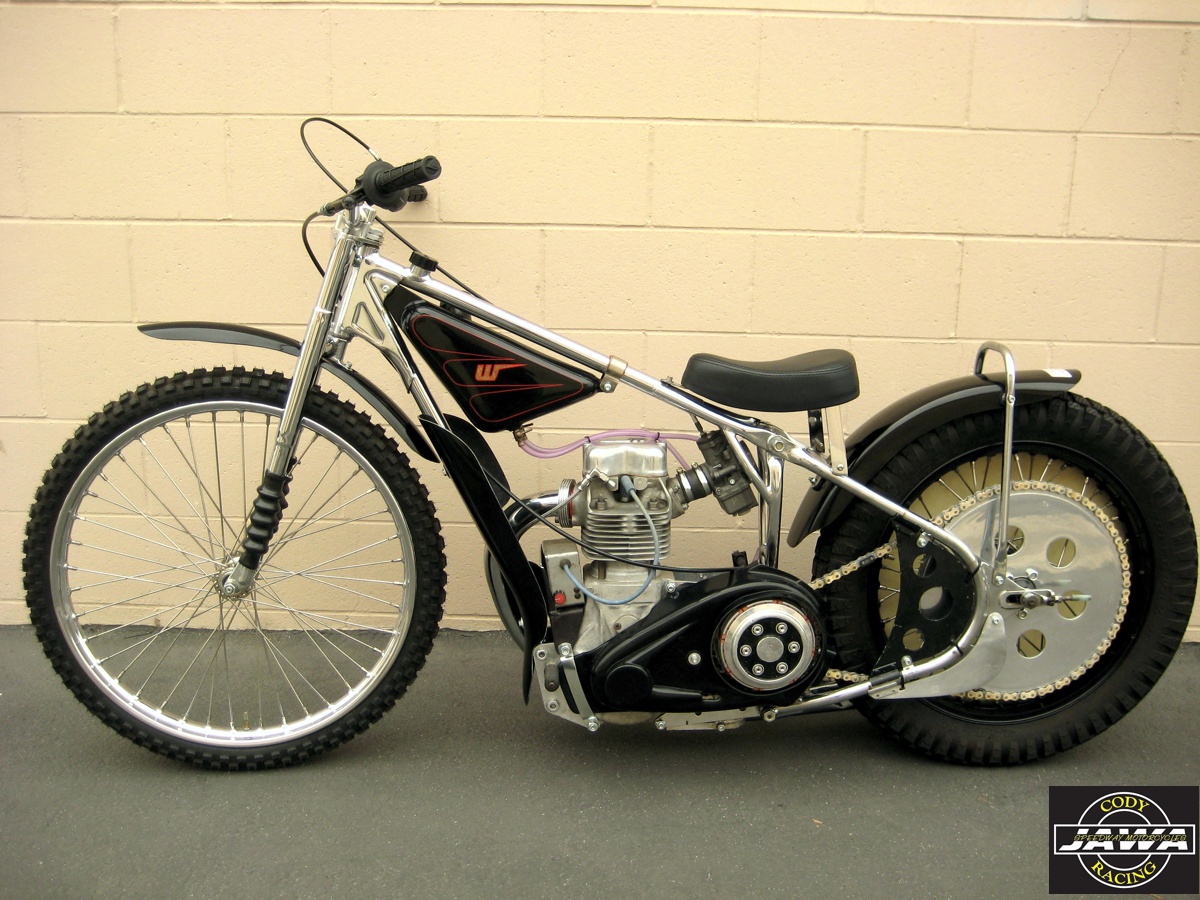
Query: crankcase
<point x="741" y="638"/>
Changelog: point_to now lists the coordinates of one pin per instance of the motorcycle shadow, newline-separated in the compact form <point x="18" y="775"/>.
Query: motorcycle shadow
<point x="469" y="695"/>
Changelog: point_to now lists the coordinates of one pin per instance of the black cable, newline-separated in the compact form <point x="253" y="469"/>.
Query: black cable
<point x="307" y="245"/>
<point x="441" y="270"/>
<point x="595" y="552"/>
<point x="304" y="233"/>
<point x="346" y="131"/>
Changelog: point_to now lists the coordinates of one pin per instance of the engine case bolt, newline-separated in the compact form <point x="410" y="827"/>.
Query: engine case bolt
<point x="694" y="658"/>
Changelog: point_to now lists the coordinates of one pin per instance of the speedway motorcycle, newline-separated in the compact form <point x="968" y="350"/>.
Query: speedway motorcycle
<point x="241" y="569"/>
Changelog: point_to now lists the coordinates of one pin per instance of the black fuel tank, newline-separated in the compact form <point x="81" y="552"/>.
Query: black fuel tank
<point x="499" y="383"/>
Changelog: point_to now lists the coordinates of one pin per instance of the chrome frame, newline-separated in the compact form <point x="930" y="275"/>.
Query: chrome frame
<point x="350" y="305"/>
<point x="1000" y="539"/>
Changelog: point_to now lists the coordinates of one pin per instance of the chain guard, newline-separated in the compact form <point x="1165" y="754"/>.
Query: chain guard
<point x="935" y="603"/>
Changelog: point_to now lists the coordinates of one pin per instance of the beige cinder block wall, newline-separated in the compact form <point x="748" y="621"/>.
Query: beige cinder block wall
<point x="902" y="178"/>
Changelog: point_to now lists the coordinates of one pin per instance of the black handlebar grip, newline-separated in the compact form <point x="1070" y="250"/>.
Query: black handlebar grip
<point x="410" y="174"/>
<point x="384" y="185"/>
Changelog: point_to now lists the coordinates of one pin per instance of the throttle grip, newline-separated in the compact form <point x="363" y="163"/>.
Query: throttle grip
<point x="383" y="185"/>
<point x="410" y="174"/>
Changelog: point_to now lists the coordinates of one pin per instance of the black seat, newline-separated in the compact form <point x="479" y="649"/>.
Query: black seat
<point x="813" y="380"/>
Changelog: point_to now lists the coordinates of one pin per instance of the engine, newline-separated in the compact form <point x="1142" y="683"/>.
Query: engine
<point x="624" y="506"/>
<point x="663" y="639"/>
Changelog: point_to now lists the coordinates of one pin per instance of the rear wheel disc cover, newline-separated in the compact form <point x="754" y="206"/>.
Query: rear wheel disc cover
<point x="1073" y="551"/>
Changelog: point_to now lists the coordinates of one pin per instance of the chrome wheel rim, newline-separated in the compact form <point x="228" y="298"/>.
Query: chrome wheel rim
<point x="146" y="534"/>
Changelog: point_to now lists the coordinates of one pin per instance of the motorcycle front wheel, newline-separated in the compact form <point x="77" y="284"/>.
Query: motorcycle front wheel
<point x="1097" y="522"/>
<point x="143" y="513"/>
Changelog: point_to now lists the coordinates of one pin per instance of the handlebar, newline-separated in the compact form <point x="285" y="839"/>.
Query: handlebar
<point x="387" y="186"/>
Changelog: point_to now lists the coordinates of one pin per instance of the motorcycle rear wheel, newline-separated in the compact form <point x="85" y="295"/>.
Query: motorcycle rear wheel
<point x="1075" y="667"/>
<point x="142" y="514"/>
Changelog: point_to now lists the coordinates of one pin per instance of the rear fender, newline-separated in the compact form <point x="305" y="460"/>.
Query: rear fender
<point x="220" y="333"/>
<point x="891" y="429"/>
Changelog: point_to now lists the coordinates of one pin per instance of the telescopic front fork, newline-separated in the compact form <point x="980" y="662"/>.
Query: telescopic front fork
<point x="272" y="493"/>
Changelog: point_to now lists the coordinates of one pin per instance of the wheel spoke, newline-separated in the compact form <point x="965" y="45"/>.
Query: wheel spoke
<point x="339" y="558"/>
<point x="320" y="480"/>
<point x="956" y="494"/>
<point x="124" y="601"/>
<point x="117" y="578"/>
<point x="339" y="524"/>
<point x="156" y="524"/>
<point x="204" y="550"/>
<point x="179" y="632"/>
<point x="150" y="524"/>
<point x="99" y="548"/>
<point x="213" y="540"/>
<point x="280" y="658"/>
<point x="319" y="617"/>
<point x="177" y="609"/>
<point x="295" y="531"/>
<point x="311" y="634"/>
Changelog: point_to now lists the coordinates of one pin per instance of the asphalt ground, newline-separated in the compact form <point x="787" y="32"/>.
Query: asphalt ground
<point x="463" y="791"/>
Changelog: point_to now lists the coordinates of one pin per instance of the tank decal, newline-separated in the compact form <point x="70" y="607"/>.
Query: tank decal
<point x="498" y="383"/>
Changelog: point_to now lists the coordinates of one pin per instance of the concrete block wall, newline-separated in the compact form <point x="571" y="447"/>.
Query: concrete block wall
<point x="902" y="178"/>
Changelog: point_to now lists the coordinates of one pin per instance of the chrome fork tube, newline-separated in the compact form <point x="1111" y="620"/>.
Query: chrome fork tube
<point x="339" y="275"/>
<point x="310" y="354"/>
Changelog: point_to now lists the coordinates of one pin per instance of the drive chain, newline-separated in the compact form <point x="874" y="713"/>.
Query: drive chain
<point x="947" y="517"/>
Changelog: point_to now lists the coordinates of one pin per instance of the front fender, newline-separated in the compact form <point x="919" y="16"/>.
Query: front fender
<point x="891" y="429"/>
<point x="220" y="333"/>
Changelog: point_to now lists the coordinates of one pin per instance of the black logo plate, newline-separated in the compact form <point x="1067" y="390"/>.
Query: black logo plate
<point x="1124" y="840"/>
